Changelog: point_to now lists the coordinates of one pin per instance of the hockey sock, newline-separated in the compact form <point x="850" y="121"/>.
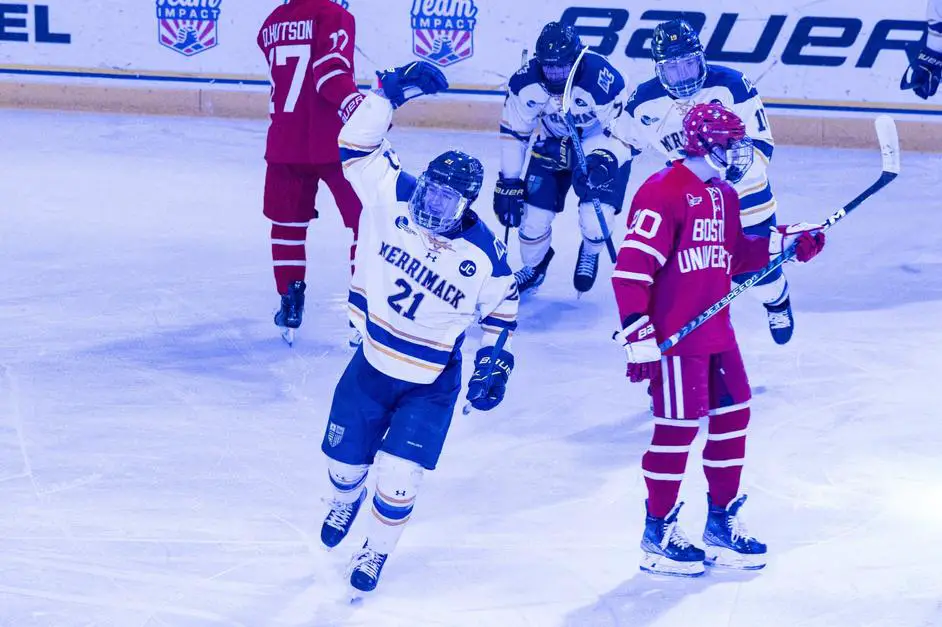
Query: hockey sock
<point x="287" y="253"/>
<point x="397" y="483"/>
<point x="665" y="462"/>
<point x="536" y="235"/>
<point x="773" y="293"/>
<point x="347" y="479"/>
<point x="592" y="235"/>
<point x="725" y="452"/>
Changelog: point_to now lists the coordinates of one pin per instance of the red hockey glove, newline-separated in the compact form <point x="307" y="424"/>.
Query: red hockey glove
<point x="810" y="240"/>
<point x="640" y="344"/>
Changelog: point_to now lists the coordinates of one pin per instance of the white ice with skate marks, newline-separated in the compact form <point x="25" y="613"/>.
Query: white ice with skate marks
<point x="159" y="444"/>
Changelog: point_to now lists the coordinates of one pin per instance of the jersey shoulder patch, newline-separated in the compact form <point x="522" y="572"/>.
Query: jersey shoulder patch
<point x="600" y="78"/>
<point x="735" y="81"/>
<point x="524" y="77"/>
<point x="478" y="234"/>
<point x="646" y="92"/>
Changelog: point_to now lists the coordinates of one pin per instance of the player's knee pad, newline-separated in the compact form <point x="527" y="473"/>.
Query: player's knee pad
<point x="397" y="483"/>
<point x="347" y="479"/>
<point x="726" y="437"/>
<point x="591" y="226"/>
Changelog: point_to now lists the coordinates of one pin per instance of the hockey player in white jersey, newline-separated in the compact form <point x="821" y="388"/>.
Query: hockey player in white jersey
<point x="534" y="105"/>
<point x="654" y="117"/>
<point x="427" y="267"/>
<point x="925" y="71"/>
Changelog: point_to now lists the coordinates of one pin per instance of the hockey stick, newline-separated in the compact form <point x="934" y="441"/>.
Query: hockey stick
<point x="524" y="59"/>
<point x="889" y="149"/>
<point x="580" y="153"/>
<point x="498" y="347"/>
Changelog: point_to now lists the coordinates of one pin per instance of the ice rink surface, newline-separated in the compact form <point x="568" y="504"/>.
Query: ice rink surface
<point x="159" y="444"/>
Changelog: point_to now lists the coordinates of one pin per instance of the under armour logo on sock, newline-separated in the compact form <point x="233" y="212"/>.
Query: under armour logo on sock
<point x="400" y="492"/>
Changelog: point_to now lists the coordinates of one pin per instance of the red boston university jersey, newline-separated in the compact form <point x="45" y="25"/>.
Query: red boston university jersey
<point x="309" y="48"/>
<point x="683" y="245"/>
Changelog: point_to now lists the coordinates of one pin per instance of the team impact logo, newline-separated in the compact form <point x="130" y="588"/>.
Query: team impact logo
<point x="188" y="26"/>
<point x="443" y="30"/>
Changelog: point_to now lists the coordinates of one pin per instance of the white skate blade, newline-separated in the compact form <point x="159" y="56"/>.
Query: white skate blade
<point x="287" y="334"/>
<point x="721" y="557"/>
<point x="661" y="565"/>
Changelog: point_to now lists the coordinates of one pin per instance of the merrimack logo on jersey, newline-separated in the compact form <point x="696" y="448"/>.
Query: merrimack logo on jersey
<point x="443" y="30"/>
<point x="188" y="26"/>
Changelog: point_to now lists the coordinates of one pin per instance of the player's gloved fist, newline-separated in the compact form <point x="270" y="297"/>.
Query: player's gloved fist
<point x="924" y="74"/>
<point x="601" y="167"/>
<point x="489" y="382"/>
<point x="555" y="153"/>
<point x="508" y="201"/>
<point x="408" y="81"/>
<point x="640" y="344"/>
<point x="808" y="240"/>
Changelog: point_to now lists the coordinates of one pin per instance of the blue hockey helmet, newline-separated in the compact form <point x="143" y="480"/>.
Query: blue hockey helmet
<point x="679" y="59"/>
<point x="445" y="190"/>
<point x="556" y="50"/>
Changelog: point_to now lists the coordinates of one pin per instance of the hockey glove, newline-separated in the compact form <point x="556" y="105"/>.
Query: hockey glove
<point x="508" y="202"/>
<point x="923" y="74"/>
<point x="412" y="80"/>
<point x="809" y="237"/>
<point x="601" y="167"/>
<point x="554" y="153"/>
<point x="489" y="381"/>
<point x="640" y="344"/>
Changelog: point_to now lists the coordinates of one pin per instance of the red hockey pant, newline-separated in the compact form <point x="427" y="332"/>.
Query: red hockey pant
<point x="290" y="192"/>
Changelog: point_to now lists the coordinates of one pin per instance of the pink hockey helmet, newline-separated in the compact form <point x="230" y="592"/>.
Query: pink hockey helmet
<point x="713" y="131"/>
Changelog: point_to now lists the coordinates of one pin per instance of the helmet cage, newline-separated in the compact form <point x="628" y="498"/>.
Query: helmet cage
<point x="436" y="207"/>
<point x="555" y="76"/>
<point x="682" y="76"/>
<point x="733" y="161"/>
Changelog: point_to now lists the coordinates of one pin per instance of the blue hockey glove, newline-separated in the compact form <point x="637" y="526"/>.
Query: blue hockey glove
<point x="508" y="202"/>
<point x="489" y="381"/>
<point x="408" y="81"/>
<point x="601" y="167"/>
<point x="555" y="153"/>
<point x="923" y="74"/>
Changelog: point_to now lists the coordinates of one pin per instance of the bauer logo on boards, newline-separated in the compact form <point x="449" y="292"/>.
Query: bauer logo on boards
<point x="188" y="26"/>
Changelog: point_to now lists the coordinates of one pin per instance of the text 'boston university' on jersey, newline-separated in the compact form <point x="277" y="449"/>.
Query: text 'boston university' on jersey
<point x="414" y="293"/>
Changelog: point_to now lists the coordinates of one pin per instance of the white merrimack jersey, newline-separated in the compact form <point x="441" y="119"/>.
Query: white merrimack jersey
<point x="414" y="294"/>
<point x="597" y="93"/>
<point x="934" y="16"/>
<point x="653" y="117"/>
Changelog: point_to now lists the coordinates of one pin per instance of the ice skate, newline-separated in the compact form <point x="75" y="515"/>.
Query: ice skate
<point x="781" y="321"/>
<point x="292" y="309"/>
<point x="587" y="268"/>
<point x="339" y="520"/>
<point x="529" y="278"/>
<point x="728" y="544"/>
<point x="667" y="551"/>
<point x="365" y="569"/>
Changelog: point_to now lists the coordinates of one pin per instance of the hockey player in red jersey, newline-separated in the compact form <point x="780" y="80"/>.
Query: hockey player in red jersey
<point x="309" y="46"/>
<point x="683" y="245"/>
